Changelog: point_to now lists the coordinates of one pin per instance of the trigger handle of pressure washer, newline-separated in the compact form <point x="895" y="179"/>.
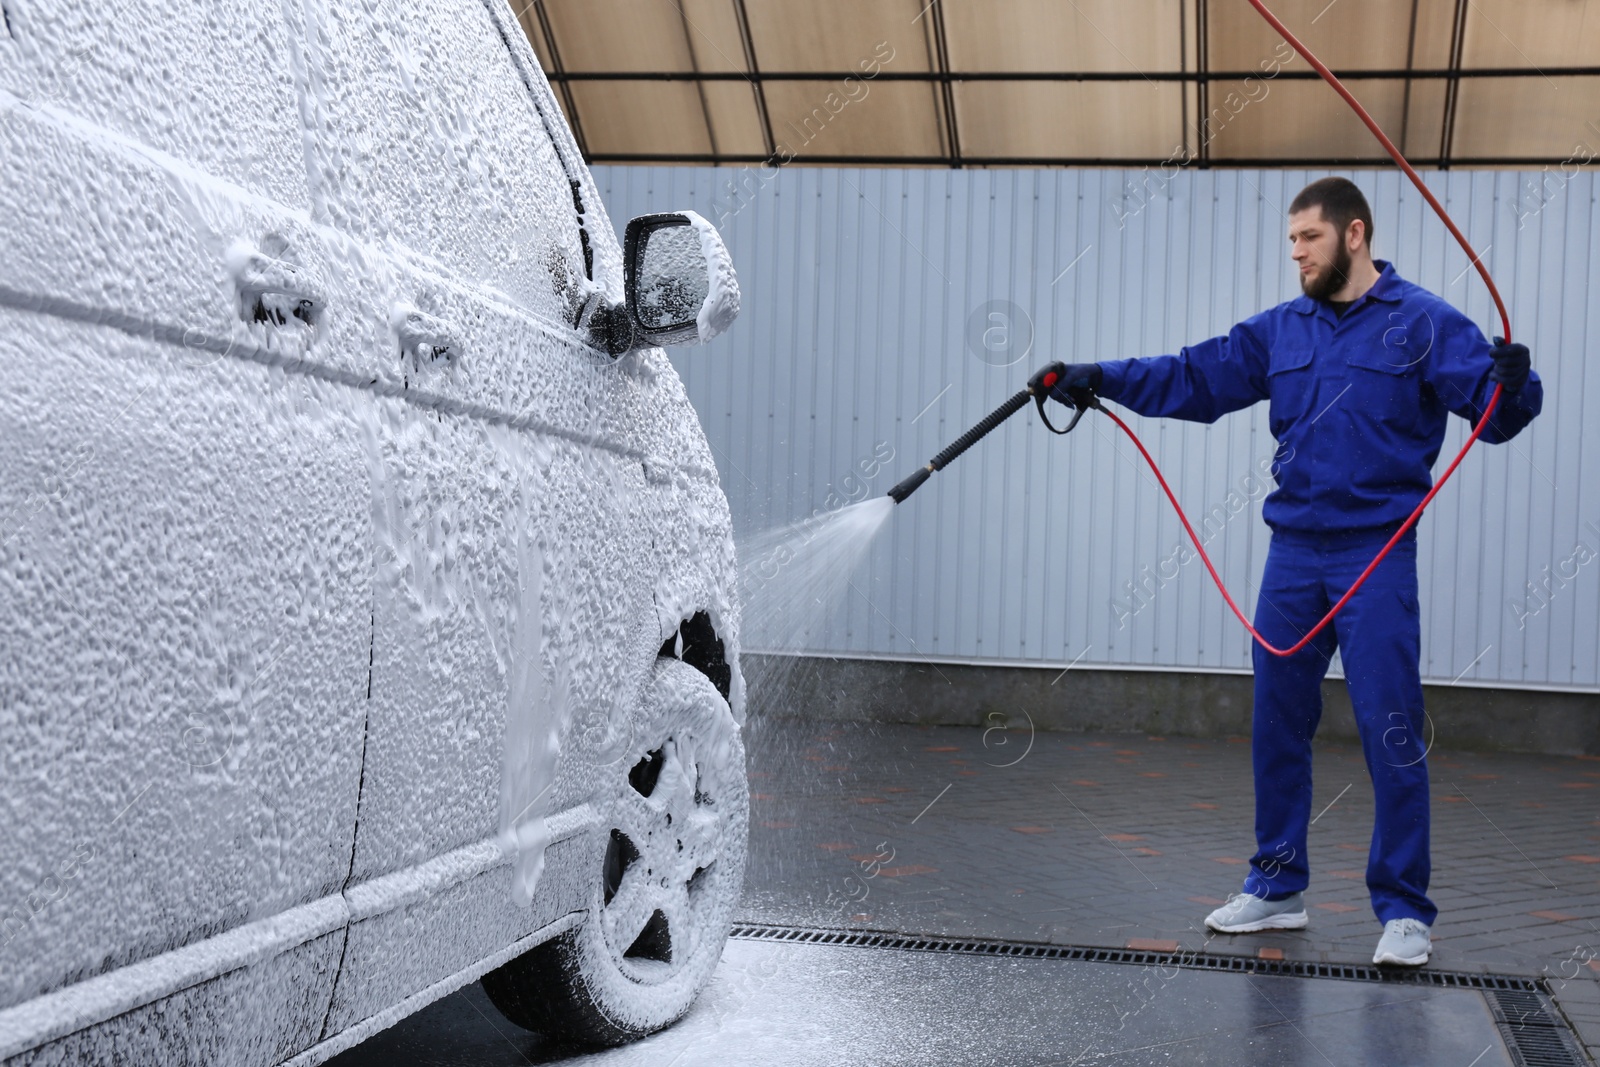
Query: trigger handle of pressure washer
<point x="1082" y="401"/>
<point x="1043" y="383"/>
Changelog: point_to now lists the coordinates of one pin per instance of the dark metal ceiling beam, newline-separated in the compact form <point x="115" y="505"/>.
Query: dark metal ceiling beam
<point x="1395" y="74"/>
<point x="1411" y="59"/>
<point x="754" y="76"/>
<point x="1376" y="162"/>
<point x="1458" y="35"/>
<point x="1183" y="66"/>
<point x="558" y="76"/>
<point x="699" y="83"/>
<point x="947" y="90"/>
<point x="1202" y="66"/>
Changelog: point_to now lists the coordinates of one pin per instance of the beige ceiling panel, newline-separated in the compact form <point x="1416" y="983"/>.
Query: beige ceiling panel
<point x="561" y="102"/>
<point x="1344" y="34"/>
<point x="735" y="122"/>
<point x="1435" y="22"/>
<point x="1092" y="120"/>
<point x="1531" y="33"/>
<point x="815" y="120"/>
<point x="1426" y="124"/>
<point x="830" y="35"/>
<point x="642" y="118"/>
<point x="714" y="34"/>
<point x="1556" y="119"/>
<point x="620" y="35"/>
<point x="1265" y="119"/>
<point x="1299" y="120"/>
<point x="1112" y="35"/>
<point x="528" y="18"/>
<point x="1191" y="108"/>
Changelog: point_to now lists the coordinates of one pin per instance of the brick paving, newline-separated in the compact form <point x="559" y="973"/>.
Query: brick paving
<point x="1118" y="840"/>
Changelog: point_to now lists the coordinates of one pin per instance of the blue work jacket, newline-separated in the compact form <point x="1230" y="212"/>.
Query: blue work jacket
<point x="1358" y="403"/>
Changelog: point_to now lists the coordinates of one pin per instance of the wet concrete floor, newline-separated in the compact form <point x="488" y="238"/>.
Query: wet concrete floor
<point x="1119" y="842"/>
<point x="805" y="1005"/>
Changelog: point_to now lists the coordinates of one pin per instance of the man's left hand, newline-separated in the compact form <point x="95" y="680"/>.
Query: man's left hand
<point x="1511" y="364"/>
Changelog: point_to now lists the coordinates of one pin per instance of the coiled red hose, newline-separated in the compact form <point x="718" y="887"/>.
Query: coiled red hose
<point x="1494" y="399"/>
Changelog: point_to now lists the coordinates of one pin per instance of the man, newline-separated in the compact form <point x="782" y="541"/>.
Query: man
<point x="1360" y="372"/>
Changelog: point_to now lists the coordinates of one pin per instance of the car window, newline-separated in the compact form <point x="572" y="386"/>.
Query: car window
<point x="433" y="143"/>
<point x="210" y="84"/>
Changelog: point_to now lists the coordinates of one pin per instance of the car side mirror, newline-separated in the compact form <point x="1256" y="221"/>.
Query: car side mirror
<point x="678" y="279"/>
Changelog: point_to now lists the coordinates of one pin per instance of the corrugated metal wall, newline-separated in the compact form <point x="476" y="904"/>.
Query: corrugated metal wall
<point x="893" y="308"/>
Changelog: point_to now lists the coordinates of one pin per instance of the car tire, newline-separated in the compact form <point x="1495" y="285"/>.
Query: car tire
<point x="675" y="834"/>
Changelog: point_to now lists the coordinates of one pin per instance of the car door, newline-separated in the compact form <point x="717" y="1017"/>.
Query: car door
<point x="185" y="547"/>
<point x="512" y="618"/>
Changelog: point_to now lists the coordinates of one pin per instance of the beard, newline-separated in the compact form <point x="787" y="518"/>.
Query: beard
<point x="1331" y="280"/>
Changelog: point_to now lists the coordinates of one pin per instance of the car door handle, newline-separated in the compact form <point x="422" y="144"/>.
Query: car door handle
<point x="426" y="338"/>
<point x="273" y="290"/>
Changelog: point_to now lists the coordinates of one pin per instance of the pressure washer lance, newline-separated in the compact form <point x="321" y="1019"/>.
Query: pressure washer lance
<point x="1039" y="386"/>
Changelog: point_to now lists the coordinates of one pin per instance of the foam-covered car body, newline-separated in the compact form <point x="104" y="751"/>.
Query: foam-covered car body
<point x="338" y="566"/>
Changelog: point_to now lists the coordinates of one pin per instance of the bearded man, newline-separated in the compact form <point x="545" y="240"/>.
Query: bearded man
<point x="1361" y="372"/>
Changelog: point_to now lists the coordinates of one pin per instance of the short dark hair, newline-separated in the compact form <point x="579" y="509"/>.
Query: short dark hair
<point x="1341" y="203"/>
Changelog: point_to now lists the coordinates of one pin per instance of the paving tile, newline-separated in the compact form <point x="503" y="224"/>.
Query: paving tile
<point x="1102" y="858"/>
<point x="1148" y="944"/>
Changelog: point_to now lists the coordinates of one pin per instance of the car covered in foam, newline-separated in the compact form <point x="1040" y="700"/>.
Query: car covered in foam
<point x="368" y="622"/>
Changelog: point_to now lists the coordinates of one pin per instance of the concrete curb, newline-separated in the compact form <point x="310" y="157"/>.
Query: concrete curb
<point x="1087" y="700"/>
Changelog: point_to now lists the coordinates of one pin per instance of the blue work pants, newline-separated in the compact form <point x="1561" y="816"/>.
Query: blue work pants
<point x="1378" y="635"/>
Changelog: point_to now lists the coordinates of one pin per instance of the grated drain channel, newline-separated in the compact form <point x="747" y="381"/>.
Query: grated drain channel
<point x="1203" y="961"/>
<point x="1533" y="1033"/>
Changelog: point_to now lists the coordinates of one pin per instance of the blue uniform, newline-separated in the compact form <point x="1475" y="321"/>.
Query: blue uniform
<point x="1359" y="405"/>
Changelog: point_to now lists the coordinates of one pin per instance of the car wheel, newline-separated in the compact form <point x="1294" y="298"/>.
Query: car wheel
<point x="661" y="904"/>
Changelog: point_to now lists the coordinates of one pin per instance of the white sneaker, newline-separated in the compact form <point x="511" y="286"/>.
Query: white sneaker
<point x="1405" y="942"/>
<point x="1245" y="914"/>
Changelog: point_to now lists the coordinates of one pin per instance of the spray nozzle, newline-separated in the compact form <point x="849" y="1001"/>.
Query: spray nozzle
<point x="906" y="486"/>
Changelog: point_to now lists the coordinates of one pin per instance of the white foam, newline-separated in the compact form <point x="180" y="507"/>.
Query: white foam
<point x="721" y="305"/>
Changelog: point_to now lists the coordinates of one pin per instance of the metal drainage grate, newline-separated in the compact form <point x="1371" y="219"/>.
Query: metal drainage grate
<point x="1509" y="984"/>
<point x="1532" y="1032"/>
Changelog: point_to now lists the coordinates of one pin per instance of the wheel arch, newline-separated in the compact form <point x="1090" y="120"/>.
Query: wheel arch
<point x="697" y="643"/>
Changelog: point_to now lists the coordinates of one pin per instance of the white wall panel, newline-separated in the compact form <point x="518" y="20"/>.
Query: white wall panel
<point x="860" y="287"/>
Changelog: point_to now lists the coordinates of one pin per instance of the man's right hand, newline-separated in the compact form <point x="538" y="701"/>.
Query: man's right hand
<point x="1061" y="380"/>
<point x="1072" y="384"/>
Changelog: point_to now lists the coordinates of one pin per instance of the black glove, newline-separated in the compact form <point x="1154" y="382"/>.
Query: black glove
<point x="1511" y="364"/>
<point x="1061" y="380"/>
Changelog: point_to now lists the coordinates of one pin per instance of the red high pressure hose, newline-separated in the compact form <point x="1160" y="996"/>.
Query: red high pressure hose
<point x="1494" y="399"/>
